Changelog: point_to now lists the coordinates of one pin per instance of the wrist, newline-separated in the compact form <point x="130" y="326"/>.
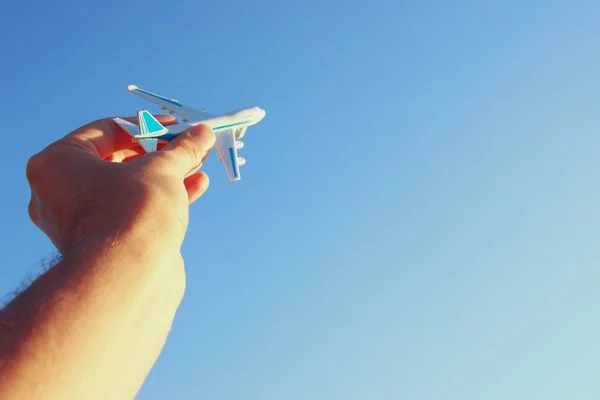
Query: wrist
<point x="142" y="252"/>
<point x="146" y="238"/>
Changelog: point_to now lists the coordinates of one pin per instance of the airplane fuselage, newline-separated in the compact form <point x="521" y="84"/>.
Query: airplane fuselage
<point x="232" y="120"/>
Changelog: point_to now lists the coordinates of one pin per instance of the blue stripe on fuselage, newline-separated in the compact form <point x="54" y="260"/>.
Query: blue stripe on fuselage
<point x="217" y="128"/>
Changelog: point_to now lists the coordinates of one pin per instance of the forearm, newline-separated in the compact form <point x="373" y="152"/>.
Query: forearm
<point x="92" y="326"/>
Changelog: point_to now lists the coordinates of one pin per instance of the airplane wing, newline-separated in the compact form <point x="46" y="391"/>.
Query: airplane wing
<point x="172" y="105"/>
<point x="227" y="146"/>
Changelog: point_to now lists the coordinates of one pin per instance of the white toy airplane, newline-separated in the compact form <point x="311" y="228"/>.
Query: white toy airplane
<point x="228" y="128"/>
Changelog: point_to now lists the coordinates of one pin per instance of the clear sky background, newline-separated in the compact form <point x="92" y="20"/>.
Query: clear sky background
<point x="419" y="214"/>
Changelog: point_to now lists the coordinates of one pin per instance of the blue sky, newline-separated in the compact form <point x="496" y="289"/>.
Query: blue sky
<point x="418" y="217"/>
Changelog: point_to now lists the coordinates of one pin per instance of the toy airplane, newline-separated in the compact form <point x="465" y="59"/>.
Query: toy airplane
<point x="228" y="128"/>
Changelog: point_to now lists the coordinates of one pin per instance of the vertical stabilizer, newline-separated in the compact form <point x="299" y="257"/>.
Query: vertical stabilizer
<point x="149" y="126"/>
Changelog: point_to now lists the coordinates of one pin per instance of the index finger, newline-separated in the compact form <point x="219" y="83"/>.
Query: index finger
<point x="103" y="137"/>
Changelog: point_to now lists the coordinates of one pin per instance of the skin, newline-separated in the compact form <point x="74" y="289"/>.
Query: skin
<point x="92" y="326"/>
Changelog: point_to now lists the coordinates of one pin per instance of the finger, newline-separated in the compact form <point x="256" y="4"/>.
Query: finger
<point x="103" y="137"/>
<point x="196" y="185"/>
<point x="186" y="152"/>
<point x="194" y="170"/>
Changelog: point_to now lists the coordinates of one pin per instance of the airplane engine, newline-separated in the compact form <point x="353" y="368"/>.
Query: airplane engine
<point x="241" y="161"/>
<point x="239" y="144"/>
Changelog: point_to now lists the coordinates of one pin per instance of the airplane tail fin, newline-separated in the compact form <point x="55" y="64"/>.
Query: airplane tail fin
<point x="147" y="131"/>
<point x="149" y="125"/>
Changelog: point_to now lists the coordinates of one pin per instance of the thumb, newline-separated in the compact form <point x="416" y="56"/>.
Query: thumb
<point x="187" y="151"/>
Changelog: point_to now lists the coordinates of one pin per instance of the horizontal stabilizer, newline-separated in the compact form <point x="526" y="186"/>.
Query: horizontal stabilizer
<point x="149" y="145"/>
<point x="127" y="126"/>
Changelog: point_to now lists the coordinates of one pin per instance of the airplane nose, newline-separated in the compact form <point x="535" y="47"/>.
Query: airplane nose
<point x="258" y="113"/>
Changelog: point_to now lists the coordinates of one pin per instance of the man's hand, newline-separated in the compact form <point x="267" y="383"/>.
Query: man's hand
<point x="93" y="325"/>
<point x="80" y="199"/>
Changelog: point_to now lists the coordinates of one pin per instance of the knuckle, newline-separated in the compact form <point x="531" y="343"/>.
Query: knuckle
<point x="43" y="163"/>
<point x="31" y="210"/>
<point x="35" y="165"/>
